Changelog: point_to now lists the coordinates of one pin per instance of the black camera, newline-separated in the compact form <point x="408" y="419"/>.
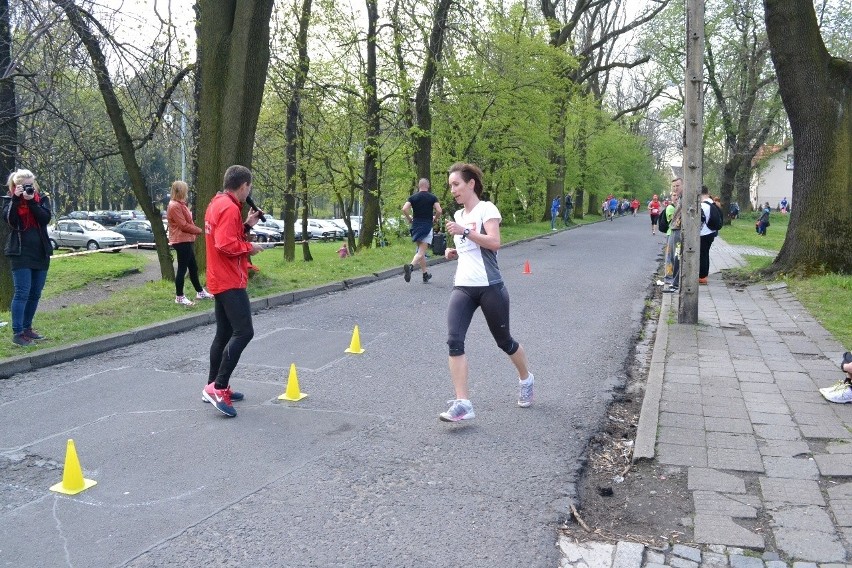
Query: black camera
<point x="29" y="189"/>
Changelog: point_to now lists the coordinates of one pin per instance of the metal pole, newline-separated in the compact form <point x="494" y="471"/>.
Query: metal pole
<point x="182" y="142"/>
<point x="693" y="152"/>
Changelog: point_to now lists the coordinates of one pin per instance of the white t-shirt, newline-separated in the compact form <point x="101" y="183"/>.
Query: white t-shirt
<point x="477" y="266"/>
<point x="705" y="207"/>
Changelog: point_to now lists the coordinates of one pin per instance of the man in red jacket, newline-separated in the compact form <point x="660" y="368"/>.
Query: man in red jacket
<point x="228" y="254"/>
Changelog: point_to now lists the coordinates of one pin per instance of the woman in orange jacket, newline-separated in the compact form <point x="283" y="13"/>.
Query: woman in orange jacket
<point x="182" y="233"/>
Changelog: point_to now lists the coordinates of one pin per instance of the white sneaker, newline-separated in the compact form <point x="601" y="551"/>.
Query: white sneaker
<point x="204" y="295"/>
<point x="660" y="283"/>
<point x="183" y="300"/>
<point x="839" y="395"/>
<point x="839" y="385"/>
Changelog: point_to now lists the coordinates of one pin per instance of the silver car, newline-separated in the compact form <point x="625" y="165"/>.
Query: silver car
<point x="83" y="234"/>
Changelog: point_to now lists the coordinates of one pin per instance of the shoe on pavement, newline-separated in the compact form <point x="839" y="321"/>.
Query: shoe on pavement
<point x="184" y="301"/>
<point x="660" y="283"/>
<point x="459" y="410"/>
<point x="220" y="398"/>
<point x="22" y="340"/>
<point x="204" y="295"/>
<point x="839" y="395"/>
<point x="426" y="277"/>
<point x="839" y="385"/>
<point x="525" y="391"/>
<point x="406" y="271"/>
<point x="236" y="396"/>
<point x="702" y="280"/>
<point x="32" y="335"/>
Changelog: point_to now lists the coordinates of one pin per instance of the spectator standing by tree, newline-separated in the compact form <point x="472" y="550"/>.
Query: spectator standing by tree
<point x="27" y="212"/>
<point x="182" y="234"/>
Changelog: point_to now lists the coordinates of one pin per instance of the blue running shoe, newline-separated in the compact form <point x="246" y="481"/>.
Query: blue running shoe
<point x="220" y="398"/>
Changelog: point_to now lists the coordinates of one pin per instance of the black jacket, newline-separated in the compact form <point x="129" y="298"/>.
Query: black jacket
<point x="42" y="214"/>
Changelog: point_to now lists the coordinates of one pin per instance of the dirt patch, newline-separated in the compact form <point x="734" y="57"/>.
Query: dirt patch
<point x="99" y="290"/>
<point x="645" y="502"/>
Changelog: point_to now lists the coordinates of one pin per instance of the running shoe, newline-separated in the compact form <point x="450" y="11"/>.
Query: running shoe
<point x="236" y="396"/>
<point x="459" y="410"/>
<point x="406" y="271"/>
<point x="32" y="335"/>
<point x="525" y="391"/>
<point x="204" y="295"/>
<point x="840" y="395"/>
<point x="426" y="277"/>
<point x="184" y="301"/>
<point x="22" y="340"/>
<point x="220" y="398"/>
<point x="839" y="385"/>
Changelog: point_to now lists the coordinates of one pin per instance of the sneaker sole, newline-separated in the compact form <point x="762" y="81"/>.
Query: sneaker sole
<point x="524" y="404"/>
<point x="447" y="418"/>
<point x="406" y="272"/>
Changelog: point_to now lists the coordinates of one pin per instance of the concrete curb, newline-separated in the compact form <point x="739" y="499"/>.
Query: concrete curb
<point x="649" y="416"/>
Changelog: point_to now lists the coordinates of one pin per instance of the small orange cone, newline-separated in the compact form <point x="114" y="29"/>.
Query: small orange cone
<point x="72" y="475"/>
<point x="527" y="267"/>
<point x="292" y="393"/>
<point x="355" y="345"/>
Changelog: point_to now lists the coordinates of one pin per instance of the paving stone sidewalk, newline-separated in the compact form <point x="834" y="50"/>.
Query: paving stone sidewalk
<point x="734" y="401"/>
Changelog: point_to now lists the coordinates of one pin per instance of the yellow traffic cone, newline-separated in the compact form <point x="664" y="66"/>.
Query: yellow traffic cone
<point x="355" y="345"/>
<point x="72" y="476"/>
<point x="292" y="392"/>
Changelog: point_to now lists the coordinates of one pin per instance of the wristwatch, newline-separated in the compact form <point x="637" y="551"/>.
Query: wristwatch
<point x="465" y="233"/>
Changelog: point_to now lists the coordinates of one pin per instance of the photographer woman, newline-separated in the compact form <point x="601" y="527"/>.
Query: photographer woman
<point x="28" y="248"/>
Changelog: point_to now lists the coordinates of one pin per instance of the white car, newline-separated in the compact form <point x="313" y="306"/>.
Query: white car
<point x="77" y="233"/>
<point x="356" y="225"/>
<point x="319" y="229"/>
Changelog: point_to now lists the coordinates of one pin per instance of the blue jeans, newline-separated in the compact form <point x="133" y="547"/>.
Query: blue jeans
<point x="28" y="286"/>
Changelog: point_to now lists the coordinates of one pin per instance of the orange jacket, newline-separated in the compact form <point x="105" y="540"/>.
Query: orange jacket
<point x="181" y="227"/>
<point x="227" y="247"/>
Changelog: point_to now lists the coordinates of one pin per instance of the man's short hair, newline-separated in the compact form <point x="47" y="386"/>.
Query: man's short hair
<point x="705" y="190"/>
<point x="422" y="181"/>
<point x="235" y="176"/>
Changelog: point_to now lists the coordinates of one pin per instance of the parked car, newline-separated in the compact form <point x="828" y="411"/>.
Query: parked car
<point x="128" y="214"/>
<point x="76" y="215"/>
<point x="356" y="225"/>
<point x="137" y="232"/>
<point x="265" y="234"/>
<point x="83" y="234"/>
<point x="278" y="224"/>
<point x="99" y="216"/>
<point x="320" y="229"/>
<point x="113" y="217"/>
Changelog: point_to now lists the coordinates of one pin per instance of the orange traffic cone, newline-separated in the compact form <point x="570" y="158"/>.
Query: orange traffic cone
<point x="292" y="393"/>
<point x="527" y="267"/>
<point x="72" y="475"/>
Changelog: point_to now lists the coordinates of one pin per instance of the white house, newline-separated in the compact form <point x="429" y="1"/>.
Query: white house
<point x="772" y="177"/>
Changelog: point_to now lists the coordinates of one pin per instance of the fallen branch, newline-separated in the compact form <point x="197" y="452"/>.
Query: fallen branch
<point x="579" y="519"/>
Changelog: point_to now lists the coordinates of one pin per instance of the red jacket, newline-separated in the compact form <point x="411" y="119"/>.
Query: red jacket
<point x="227" y="247"/>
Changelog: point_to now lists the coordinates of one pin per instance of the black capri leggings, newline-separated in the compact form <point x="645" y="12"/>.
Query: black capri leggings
<point x="186" y="261"/>
<point x="494" y="301"/>
<point x="234" y="330"/>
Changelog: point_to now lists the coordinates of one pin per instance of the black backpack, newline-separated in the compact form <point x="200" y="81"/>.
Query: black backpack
<point x="715" y="221"/>
<point x="663" y="222"/>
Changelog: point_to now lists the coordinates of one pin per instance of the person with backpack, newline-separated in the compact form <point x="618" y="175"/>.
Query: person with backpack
<point x="711" y="222"/>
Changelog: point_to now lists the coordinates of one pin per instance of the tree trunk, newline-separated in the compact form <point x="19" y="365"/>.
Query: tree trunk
<point x="370" y="180"/>
<point x="816" y="89"/>
<point x="233" y="57"/>
<point x="291" y="131"/>
<point x="125" y="142"/>
<point x="8" y="144"/>
<point x="422" y="108"/>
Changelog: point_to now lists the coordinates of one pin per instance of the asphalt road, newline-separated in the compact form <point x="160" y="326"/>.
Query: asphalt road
<point x="359" y="473"/>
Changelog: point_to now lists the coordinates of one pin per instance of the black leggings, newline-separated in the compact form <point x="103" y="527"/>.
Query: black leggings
<point x="233" y="332"/>
<point x="704" y="254"/>
<point x="186" y="261"/>
<point x="494" y="301"/>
